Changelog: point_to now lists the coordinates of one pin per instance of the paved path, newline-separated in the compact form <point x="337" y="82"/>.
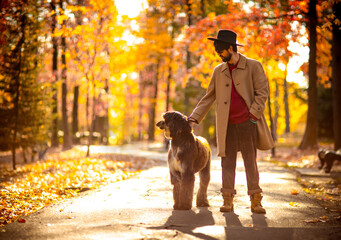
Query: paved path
<point x="141" y="208"/>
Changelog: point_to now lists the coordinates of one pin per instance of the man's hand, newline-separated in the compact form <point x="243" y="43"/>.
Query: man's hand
<point x="192" y="124"/>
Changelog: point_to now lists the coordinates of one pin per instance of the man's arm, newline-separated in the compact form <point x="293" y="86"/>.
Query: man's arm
<point x="205" y="103"/>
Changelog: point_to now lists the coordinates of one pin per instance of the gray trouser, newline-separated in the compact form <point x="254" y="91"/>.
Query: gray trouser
<point x="241" y="137"/>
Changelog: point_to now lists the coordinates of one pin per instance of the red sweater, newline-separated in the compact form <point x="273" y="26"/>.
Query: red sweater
<point x="239" y="112"/>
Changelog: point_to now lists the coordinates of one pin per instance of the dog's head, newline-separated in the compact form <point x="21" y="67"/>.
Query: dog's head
<point x="174" y="123"/>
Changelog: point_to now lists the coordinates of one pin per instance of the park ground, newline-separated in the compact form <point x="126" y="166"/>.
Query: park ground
<point x="124" y="193"/>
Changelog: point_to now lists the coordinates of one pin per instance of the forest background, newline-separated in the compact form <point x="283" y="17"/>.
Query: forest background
<point x="76" y="72"/>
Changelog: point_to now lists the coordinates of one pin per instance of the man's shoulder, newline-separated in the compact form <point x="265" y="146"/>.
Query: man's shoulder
<point x="251" y="60"/>
<point x="220" y="66"/>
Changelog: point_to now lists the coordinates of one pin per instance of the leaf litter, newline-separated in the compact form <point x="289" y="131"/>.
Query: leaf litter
<point x="326" y="191"/>
<point x="63" y="175"/>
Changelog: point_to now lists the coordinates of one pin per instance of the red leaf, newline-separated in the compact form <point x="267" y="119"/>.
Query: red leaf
<point x="21" y="220"/>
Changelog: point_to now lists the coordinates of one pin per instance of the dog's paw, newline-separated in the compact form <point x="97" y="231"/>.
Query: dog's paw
<point x="203" y="204"/>
<point x="202" y="200"/>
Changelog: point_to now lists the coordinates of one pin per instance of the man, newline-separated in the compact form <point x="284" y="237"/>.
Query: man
<point x="240" y="89"/>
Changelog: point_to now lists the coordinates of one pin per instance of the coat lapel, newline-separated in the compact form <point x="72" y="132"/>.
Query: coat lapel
<point x="241" y="66"/>
<point x="225" y="70"/>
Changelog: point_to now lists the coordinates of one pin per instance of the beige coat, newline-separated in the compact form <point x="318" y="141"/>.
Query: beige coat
<point x="251" y="84"/>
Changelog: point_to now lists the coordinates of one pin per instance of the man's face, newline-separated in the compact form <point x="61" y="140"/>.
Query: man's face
<point x="225" y="55"/>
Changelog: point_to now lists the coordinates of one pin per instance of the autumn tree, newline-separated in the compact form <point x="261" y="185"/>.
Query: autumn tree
<point x="65" y="124"/>
<point x="336" y="74"/>
<point x="54" y="126"/>
<point x="153" y="51"/>
<point x="310" y="136"/>
<point x="24" y="98"/>
<point x="90" y="54"/>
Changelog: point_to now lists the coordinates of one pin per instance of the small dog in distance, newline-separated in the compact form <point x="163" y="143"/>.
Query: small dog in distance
<point x="327" y="158"/>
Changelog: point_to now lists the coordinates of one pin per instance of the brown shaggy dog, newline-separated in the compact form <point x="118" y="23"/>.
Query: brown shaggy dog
<point x="187" y="155"/>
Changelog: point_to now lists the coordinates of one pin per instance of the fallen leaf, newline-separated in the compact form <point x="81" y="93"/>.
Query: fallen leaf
<point x="294" y="204"/>
<point x="21" y="220"/>
<point x="294" y="191"/>
<point x="312" y="221"/>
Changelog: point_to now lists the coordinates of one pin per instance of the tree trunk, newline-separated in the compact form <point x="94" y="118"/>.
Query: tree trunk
<point x="75" y="114"/>
<point x="170" y="72"/>
<point x="151" y="129"/>
<point x="276" y="115"/>
<point x="336" y="78"/>
<point x="272" y="129"/>
<point x="66" y="138"/>
<point x="286" y="102"/>
<point x="309" y="140"/>
<point x="139" y="123"/>
<point x="54" y="136"/>
<point x="188" y="59"/>
<point x="92" y="123"/>
<point x="202" y="7"/>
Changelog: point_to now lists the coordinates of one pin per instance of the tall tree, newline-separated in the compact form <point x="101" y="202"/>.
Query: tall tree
<point x="54" y="134"/>
<point x="75" y="114"/>
<point x="286" y="100"/>
<point x="189" y="13"/>
<point x="151" y="127"/>
<point x="154" y="52"/>
<point x="65" y="123"/>
<point x="22" y="94"/>
<point x="310" y="136"/>
<point x="336" y="75"/>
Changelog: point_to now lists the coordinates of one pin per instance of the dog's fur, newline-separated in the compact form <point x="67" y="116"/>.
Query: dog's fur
<point x="187" y="155"/>
<point x="328" y="158"/>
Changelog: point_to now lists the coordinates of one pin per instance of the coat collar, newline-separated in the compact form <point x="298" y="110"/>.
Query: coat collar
<point x="241" y="63"/>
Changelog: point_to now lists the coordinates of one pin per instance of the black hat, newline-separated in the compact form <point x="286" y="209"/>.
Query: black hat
<point x="226" y="36"/>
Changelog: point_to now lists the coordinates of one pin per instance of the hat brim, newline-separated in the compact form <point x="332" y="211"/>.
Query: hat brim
<point x="216" y="39"/>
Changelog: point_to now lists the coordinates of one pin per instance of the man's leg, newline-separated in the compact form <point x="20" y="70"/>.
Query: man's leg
<point x="248" y="147"/>
<point x="228" y="164"/>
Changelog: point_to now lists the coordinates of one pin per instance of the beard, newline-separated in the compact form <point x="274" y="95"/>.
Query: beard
<point x="227" y="59"/>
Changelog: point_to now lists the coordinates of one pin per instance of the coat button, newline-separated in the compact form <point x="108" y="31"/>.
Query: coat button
<point x="227" y="85"/>
<point x="225" y="102"/>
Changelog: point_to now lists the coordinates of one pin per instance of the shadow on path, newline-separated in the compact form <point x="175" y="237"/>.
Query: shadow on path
<point x="187" y="221"/>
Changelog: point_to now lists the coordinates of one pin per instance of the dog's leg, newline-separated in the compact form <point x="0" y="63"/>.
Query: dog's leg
<point x="329" y="160"/>
<point x="186" y="190"/>
<point x="175" y="181"/>
<point x="205" y="176"/>
<point x="321" y="155"/>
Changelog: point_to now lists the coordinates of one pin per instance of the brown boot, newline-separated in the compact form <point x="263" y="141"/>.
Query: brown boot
<point x="256" y="205"/>
<point x="228" y="202"/>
